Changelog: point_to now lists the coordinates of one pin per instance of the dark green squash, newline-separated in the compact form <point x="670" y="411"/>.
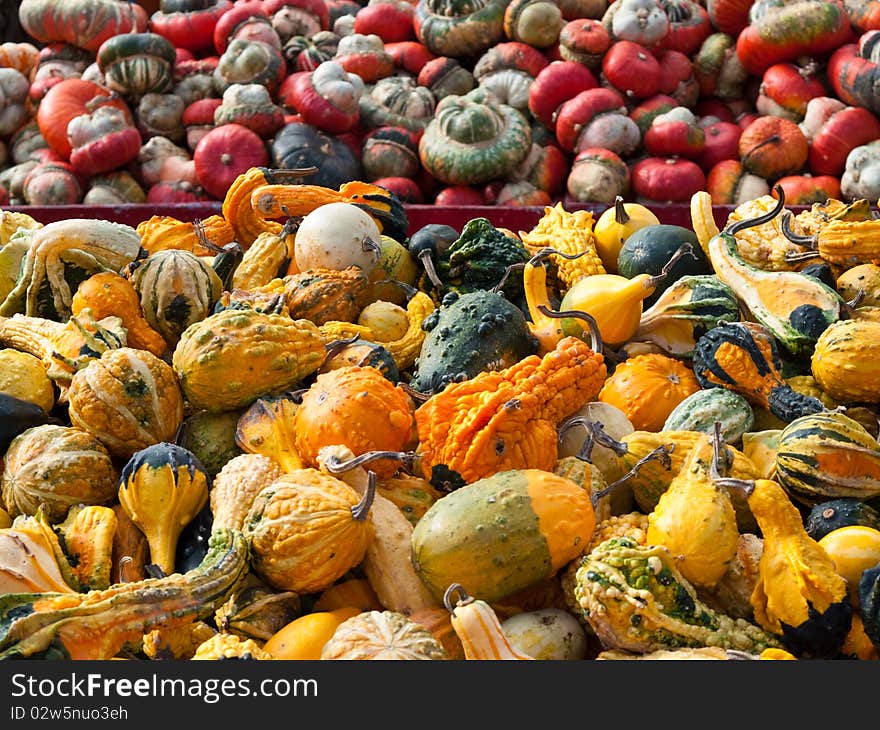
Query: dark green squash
<point x="825" y="517"/>
<point x="648" y="250"/>
<point x="17" y="416"/>
<point x="300" y="145"/>
<point x="479" y="259"/>
<point x="467" y="334"/>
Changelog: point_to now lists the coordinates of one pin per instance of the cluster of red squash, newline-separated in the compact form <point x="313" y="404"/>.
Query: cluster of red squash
<point x="649" y="99"/>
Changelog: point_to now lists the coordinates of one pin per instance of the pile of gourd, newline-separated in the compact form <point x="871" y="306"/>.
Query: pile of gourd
<point x="292" y="431"/>
<point x="507" y="102"/>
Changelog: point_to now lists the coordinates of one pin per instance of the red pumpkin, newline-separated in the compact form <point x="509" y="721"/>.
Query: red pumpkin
<point x="554" y="85"/>
<point x="409" y="56"/>
<point x="677" y="78"/>
<point x="68" y="99"/>
<point x="391" y="20"/>
<point x="772" y="147"/>
<point x="102" y="141"/>
<point x="198" y="119"/>
<point x="863" y="14"/>
<point x="729" y="16"/>
<point x="729" y="184"/>
<point x="710" y="106"/>
<point x="327" y="97"/>
<point x="190" y="26"/>
<point x="644" y="113"/>
<point x="546" y="167"/>
<point x="405" y="188"/>
<point x="785" y="32"/>
<point x="806" y="189"/>
<point x="52" y="183"/>
<point x="459" y="195"/>
<point x="522" y="194"/>
<point x="854" y="73"/>
<point x="675" y="133"/>
<point x="585" y="41"/>
<point x="689" y="26"/>
<point x="632" y="69"/>
<point x="722" y="143"/>
<point x="576" y="114"/>
<point x="226" y="152"/>
<point x="177" y="191"/>
<point x="85" y="24"/>
<point x="365" y="56"/>
<point x="597" y="176"/>
<point x="247" y="20"/>
<point x="667" y="179"/>
<point x="833" y="130"/>
<point x="786" y="88"/>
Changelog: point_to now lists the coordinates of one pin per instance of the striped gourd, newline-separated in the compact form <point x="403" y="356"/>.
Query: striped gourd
<point x="828" y="456"/>
<point x="177" y="288"/>
<point x="700" y="410"/>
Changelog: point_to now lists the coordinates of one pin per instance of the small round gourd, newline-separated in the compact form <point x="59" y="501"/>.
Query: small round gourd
<point x="854" y="549"/>
<point x="363" y="353"/>
<point x="23" y="376"/>
<point x="386" y="320"/>
<point x="229" y="646"/>
<point x="127" y="398"/>
<point x="211" y="437"/>
<point x="336" y="236"/>
<point x="613" y="421"/>
<point x="57" y="467"/>
<point x="548" y="633"/>
<point x="382" y="635"/>
<point x="304" y="637"/>
<point x="700" y="410"/>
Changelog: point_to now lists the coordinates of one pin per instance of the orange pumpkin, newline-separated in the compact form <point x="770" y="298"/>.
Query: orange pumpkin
<point x="358" y="407"/>
<point x="647" y="387"/>
<point x="772" y="147"/>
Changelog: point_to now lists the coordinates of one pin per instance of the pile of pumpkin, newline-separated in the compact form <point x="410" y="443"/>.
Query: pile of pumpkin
<point x="508" y="102"/>
<point x="291" y="431"/>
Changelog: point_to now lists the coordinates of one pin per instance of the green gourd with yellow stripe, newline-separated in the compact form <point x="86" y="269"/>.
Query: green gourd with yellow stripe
<point x="827" y="456"/>
<point x="502" y="533"/>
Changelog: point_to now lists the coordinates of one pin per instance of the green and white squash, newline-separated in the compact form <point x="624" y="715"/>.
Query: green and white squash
<point x="826" y="456"/>
<point x="700" y="410"/>
<point x="685" y="311"/>
<point x="459" y="28"/>
<point x="473" y="139"/>
<point x="177" y="288"/>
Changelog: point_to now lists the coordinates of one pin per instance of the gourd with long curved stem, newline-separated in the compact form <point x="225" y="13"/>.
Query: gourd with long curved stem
<point x="478" y="627"/>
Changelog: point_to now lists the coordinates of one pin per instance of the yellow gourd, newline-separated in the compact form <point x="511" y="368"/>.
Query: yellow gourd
<point x="304" y="637"/>
<point x="694" y="518"/>
<point x="854" y="549"/>
<point x="614" y="301"/>
<point x="617" y="224"/>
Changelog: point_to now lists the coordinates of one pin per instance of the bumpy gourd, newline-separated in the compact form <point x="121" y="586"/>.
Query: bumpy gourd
<point x="229" y="646"/>
<point x="306" y="530"/>
<point x="506" y="419"/>
<point x="57" y="467"/>
<point x="357" y="407"/>
<point x="257" y="611"/>
<point x="237" y="484"/>
<point x="325" y="295"/>
<point x="23" y="376"/>
<point x="127" y="398"/>
<point x="846" y="361"/>
<point x="469" y="334"/>
<point x="382" y="635"/>
<point x="162" y="488"/>
<point x="230" y="358"/>
<point x="634" y="598"/>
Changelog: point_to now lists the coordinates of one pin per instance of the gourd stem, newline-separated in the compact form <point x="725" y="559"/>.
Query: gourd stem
<point x="856" y="300"/>
<point x="369" y="245"/>
<point x="202" y="236"/>
<point x="661" y="453"/>
<point x="291" y="226"/>
<point x="719" y="467"/>
<point x="808" y="241"/>
<point x="597" y="432"/>
<point x="332" y="349"/>
<point x="772" y="139"/>
<point x="409" y="290"/>
<point x="274" y="305"/>
<point x="297" y="395"/>
<point x="360" y="511"/>
<point x="428" y="264"/>
<point x="416" y="395"/>
<point x="276" y="175"/>
<point x="336" y="466"/>
<point x="686" y="249"/>
<point x="595" y="335"/>
<point x="548" y="251"/>
<point x="464" y="598"/>
<point x="760" y="220"/>
<point x="621" y="217"/>
<point x="513" y="267"/>
<point x="746" y="485"/>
